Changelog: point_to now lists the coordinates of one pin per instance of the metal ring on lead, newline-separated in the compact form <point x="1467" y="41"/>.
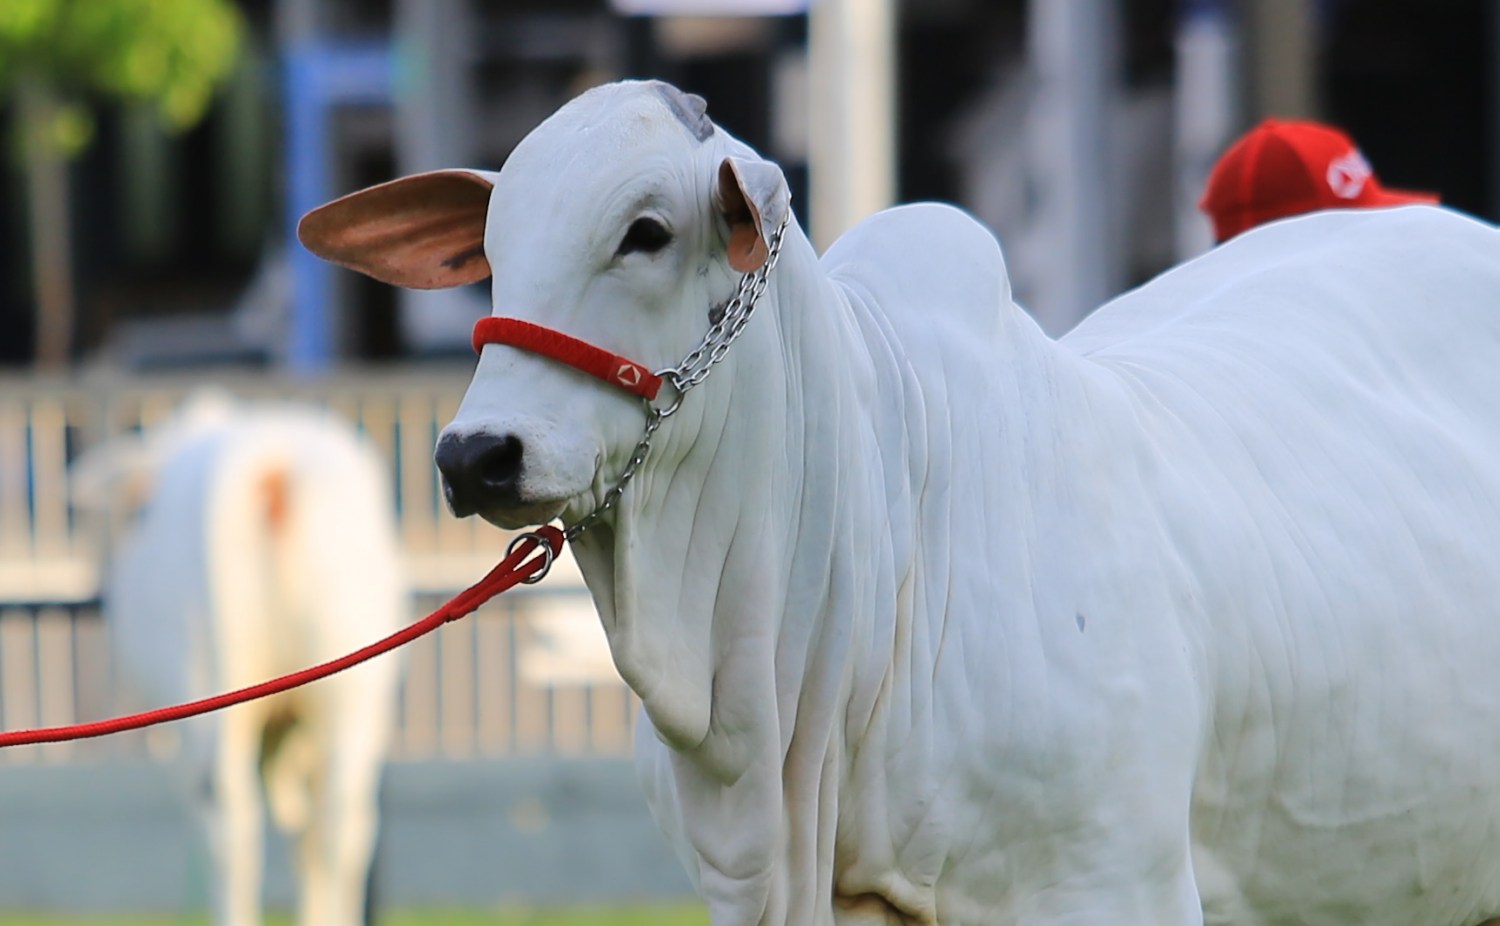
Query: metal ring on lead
<point x="547" y="556"/>
<point x="669" y="377"/>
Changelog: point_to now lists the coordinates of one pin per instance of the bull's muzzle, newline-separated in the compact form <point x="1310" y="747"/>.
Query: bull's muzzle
<point x="481" y="472"/>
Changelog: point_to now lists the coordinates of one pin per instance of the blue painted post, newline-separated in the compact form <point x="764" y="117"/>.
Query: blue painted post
<point x="319" y="76"/>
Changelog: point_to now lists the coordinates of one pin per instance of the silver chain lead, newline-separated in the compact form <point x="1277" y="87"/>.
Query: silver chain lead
<point x="689" y="372"/>
<point x="654" y="418"/>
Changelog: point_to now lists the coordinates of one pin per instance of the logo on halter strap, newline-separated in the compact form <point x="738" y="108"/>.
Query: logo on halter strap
<point x="629" y="375"/>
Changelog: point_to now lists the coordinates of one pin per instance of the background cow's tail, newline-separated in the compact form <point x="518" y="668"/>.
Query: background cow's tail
<point x="288" y="754"/>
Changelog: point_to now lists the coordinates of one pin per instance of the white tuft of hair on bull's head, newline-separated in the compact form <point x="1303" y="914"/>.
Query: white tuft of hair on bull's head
<point x="622" y="220"/>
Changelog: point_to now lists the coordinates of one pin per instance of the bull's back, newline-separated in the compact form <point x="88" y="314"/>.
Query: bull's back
<point x="1329" y="384"/>
<point x="1404" y="302"/>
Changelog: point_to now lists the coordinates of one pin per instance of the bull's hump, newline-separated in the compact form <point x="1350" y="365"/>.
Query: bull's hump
<point x="923" y="262"/>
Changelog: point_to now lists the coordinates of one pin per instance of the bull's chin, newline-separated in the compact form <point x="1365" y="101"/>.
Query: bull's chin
<point x="522" y="516"/>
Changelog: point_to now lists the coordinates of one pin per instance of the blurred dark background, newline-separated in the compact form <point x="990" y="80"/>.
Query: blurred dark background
<point x="179" y="239"/>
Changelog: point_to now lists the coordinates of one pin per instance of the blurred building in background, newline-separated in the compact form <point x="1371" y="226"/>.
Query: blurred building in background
<point x="1080" y="130"/>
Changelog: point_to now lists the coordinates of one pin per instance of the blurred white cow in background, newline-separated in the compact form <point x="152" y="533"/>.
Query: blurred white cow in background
<point x="265" y="542"/>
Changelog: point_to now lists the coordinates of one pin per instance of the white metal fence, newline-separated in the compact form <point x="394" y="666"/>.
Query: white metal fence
<point x="522" y="676"/>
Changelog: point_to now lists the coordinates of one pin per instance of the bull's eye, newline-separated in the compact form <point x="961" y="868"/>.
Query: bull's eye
<point x="645" y="235"/>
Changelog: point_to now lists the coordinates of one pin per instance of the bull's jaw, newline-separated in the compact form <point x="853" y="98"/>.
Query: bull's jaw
<point x="570" y="511"/>
<point x="523" y="516"/>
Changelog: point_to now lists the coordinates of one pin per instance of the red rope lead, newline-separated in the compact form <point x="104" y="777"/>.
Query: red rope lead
<point x="511" y="571"/>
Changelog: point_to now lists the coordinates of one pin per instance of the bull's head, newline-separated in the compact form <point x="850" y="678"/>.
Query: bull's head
<point x="622" y="220"/>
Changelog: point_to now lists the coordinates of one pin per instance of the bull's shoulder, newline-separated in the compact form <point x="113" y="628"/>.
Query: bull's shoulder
<point x="921" y="262"/>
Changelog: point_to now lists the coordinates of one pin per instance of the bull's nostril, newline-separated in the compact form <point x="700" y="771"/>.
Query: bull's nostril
<point x="499" y="467"/>
<point x="480" y="471"/>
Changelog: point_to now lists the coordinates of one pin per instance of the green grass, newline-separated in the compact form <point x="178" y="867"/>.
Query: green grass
<point x="684" y="915"/>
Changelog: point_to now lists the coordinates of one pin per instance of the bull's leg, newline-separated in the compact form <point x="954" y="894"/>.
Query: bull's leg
<point x="235" y="814"/>
<point x="336" y="849"/>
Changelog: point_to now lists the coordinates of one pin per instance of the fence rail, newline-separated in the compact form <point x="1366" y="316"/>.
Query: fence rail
<point x="523" y="676"/>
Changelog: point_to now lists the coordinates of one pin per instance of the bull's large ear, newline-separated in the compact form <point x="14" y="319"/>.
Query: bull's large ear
<point x="752" y="196"/>
<point x="425" y="231"/>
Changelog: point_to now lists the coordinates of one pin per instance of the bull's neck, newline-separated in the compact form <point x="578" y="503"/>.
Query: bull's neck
<point x="851" y="528"/>
<point x="750" y="586"/>
<point x="832" y="508"/>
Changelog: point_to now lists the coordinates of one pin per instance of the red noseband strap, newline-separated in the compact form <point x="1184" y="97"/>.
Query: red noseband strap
<point x="618" y="371"/>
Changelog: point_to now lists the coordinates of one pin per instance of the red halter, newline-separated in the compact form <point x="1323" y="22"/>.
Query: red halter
<point x="620" y="372"/>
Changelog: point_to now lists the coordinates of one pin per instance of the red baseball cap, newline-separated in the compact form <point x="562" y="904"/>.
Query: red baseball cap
<point x="1284" y="167"/>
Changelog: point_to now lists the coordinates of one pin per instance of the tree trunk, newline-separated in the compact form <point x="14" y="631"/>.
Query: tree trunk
<point x="48" y="218"/>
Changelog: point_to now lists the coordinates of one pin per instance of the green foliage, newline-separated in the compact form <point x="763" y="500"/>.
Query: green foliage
<point x="168" y="54"/>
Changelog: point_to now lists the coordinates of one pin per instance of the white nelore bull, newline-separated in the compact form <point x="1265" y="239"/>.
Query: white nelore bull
<point x="1190" y="616"/>
<point x="265" y="543"/>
